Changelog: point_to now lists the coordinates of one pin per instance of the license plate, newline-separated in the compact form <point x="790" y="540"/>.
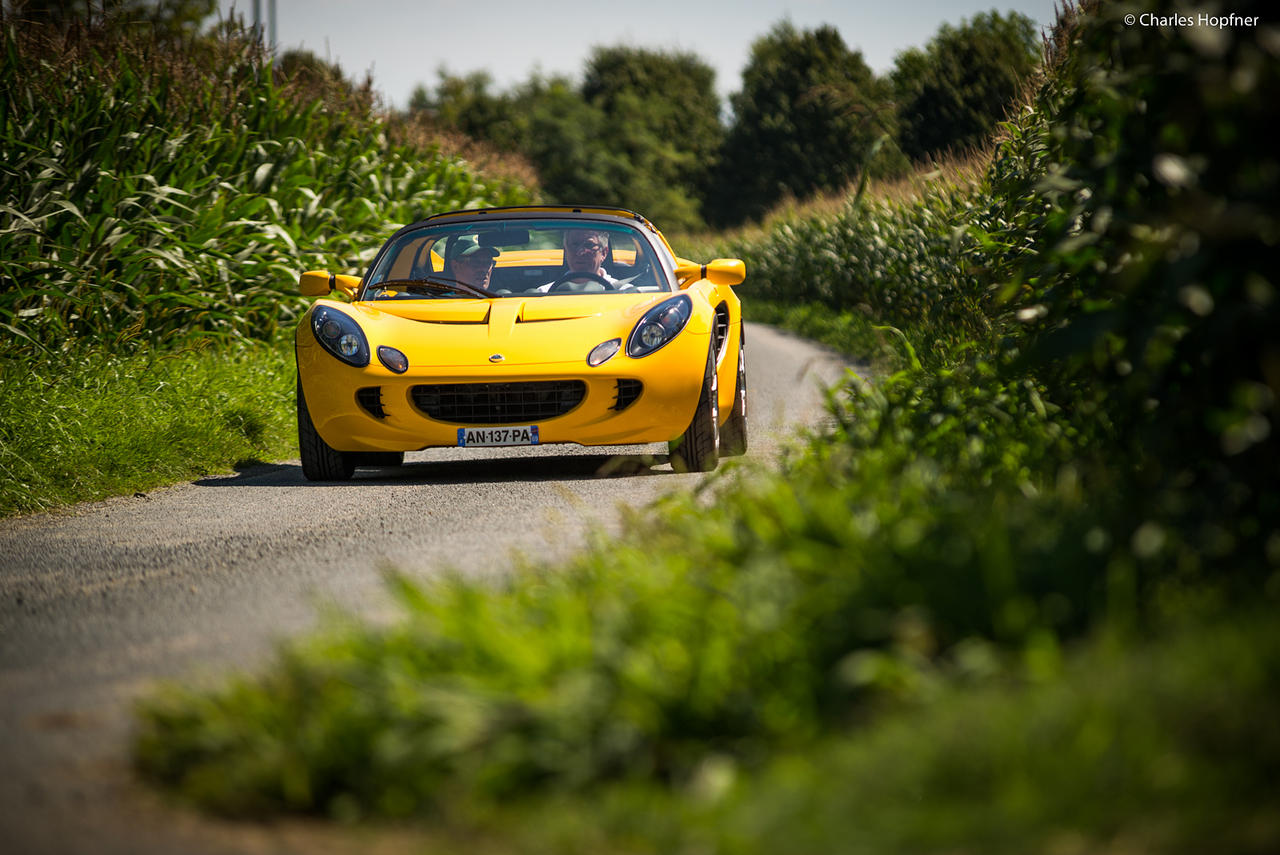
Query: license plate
<point x="488" y="437"/>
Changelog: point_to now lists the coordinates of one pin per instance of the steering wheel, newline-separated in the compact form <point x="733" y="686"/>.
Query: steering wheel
<point x="569" y="275"/>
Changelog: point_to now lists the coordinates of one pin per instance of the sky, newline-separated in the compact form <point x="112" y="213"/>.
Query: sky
<point x="403" y="43"/>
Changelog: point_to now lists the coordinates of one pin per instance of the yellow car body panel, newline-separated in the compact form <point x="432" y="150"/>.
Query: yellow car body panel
<point x="454" y="343"/>
<point x="518" y="338"/>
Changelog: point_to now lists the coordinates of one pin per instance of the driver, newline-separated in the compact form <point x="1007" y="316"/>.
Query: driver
<point x="584" y="252"/>
<point x="471" y="263"/>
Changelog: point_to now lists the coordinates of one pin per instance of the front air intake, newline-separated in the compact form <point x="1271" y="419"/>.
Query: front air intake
<point x="370" y="399"/>
<point x="627" y="391"/>
<point x="722" y="328"/>
<point x="498" y="403"/>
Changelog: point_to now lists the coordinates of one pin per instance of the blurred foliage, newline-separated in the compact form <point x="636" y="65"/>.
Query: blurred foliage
<point x="156" y="191"/>
<point x="1076" y="442"/>
<point x="1163" y="743"/>
<point x="466" y="104"/>
<point x="1153" y="747"/>
<point x="951" y="94"/>
<point x="163" y="18"/>
<point x="545" y="119"/>
<point x="1143" y="277"/>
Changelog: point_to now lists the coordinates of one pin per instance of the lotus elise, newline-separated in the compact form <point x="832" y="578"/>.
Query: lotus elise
<point x="522" y="326"/>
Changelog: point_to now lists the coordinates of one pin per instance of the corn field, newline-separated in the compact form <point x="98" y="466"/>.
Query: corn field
<point x="152" y="193"/>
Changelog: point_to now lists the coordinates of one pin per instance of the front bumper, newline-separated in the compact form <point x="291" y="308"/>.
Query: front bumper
<point x="373" y="409"/>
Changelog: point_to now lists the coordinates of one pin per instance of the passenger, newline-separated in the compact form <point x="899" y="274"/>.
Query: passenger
<point x="471" y="263"/>
<point x="584" y="252"/>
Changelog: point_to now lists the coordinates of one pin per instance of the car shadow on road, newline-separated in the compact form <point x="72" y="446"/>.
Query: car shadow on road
<point x="486" y="470"/>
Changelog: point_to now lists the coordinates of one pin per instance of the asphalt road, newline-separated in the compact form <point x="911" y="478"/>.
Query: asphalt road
<point x="99" y="602"/>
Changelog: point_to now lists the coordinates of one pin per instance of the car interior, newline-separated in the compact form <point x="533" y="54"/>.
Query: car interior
<point x="526" y="261"/>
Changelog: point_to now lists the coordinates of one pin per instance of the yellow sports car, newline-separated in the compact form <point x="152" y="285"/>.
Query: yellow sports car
<point x="522" y="326"/>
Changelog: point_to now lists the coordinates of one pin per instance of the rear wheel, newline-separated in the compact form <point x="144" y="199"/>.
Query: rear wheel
<point x="320" y="462"/>
<point x="733" y="433"/>
<point x="698" y="448"/>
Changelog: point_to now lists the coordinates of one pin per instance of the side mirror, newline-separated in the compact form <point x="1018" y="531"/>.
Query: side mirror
<point x="317" y="283"/>
<point x="726" y="271"/>
<point x="721" y="271"/>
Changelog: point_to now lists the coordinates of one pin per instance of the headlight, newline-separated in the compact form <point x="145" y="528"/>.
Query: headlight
<point x="340" y="335"/>
<point x="659" y="325"/>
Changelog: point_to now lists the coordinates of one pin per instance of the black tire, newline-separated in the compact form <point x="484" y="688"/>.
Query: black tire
<point x="698" y="448"/>
<point x="733" y="433"/>
<point x="319" y="461"/>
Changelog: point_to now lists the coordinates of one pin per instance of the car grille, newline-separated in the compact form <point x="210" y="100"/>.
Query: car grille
<point x="499" y="403"/>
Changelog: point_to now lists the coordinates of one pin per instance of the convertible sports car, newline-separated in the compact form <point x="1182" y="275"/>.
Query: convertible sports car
<point x="522" y="326"/>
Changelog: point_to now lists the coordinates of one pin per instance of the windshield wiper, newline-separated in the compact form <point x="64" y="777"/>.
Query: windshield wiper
<point x="435" y="284"/>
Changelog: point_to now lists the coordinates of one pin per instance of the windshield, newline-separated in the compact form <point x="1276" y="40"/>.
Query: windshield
<point x="525" y="258"/>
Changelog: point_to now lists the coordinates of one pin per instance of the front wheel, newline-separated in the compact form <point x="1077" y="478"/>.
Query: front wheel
<point x="698" y="448"/>
<point x="320" y="462"/>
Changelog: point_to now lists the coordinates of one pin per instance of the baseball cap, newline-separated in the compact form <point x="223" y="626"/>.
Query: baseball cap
<point x="468" y="245"/>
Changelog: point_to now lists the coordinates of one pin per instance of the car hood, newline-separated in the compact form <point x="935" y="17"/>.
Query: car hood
<point x="522" y="330"/>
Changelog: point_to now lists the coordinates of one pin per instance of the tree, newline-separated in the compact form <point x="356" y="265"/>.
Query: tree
<point x="662" y="119"/>
<point x="562" y="135"/>
<point x="676" y="94"/>
<point x="464" y="104"/>
<point x="638" y="132"/>
<point x="544" y="119"/>
<point x="952" y="94"/>
<point x="806" y="120"/>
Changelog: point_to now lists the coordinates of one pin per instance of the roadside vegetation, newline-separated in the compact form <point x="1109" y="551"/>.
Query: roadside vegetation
<point x="1019" y="597"/>
<point x="90" y="423"/>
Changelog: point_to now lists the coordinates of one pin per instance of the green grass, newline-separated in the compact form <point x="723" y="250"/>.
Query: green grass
<point x="88" y="424"/>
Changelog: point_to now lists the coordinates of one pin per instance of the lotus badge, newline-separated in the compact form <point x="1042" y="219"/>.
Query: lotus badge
<point x="497" y="357"/>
